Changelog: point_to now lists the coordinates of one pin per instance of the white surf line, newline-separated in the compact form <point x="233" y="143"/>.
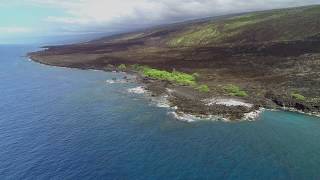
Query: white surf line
<point x="137" y="90"/>
<point x="226" y="102"/>
<point x="254" y="115"/>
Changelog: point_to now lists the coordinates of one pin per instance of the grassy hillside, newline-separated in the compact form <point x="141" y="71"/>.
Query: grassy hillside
<point x="277" y="25"/>
<point x="257" y="27"/>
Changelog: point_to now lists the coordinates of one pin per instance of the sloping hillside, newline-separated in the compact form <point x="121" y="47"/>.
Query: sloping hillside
<point x="276" y="25"/>
<point x="272" y="55"/>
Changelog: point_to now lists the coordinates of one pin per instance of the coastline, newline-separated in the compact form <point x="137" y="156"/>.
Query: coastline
<point x="239" y="70"/>
<point x="188" y="109"/>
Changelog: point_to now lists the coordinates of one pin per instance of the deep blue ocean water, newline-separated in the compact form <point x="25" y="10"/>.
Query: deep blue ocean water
<point x="60" y="123"/>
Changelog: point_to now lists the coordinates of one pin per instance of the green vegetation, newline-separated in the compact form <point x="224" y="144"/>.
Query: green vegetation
<point x="203" y="88"/>
<point x="239" y="23"/>
<point x="197" y="36"/>
<point x="175" y="76"/>
<point x="216" y="32"/>
<point x="298" y="96"/>
<point x="234" y="90"/>
<point x="282" y="24"/>
<point x="184" y="79"/>
<point x="122" y="67"/>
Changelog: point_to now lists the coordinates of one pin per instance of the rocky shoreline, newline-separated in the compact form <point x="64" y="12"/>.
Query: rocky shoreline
<point x="189" y="103"/>
<point x="265" y="59"/>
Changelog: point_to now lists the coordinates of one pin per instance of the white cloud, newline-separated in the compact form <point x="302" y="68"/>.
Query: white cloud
<point x="14" y="30"/>
<point x="129" y="13"/>
<point x="67" y="20"/>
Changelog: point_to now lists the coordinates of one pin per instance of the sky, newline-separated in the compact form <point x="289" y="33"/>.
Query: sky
<point x="22" y="19"/>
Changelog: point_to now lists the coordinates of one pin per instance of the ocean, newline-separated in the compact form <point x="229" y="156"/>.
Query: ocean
<point x="61" y="123"/>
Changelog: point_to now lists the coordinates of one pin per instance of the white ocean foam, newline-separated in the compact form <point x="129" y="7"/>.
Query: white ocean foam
<point x="137" y="90"/>
<point x="183" y="117"/>
<point x="162" y="101"/>
<point x="159" y="101"/>
<point x="290" y="109"/>
<point x="251" y="116"/>
<point x="192" y="118"/>
<point x="110" y="81"/>
<point x="226" y="102"/>
<point x="121" y="81"/>
<point x="254" y="115"/>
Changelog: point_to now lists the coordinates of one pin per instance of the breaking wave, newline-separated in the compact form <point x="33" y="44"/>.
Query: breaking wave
<point x="116" y="81"/>
<point x="226" y="102"/>
<point x="137" y="90"/>
<point x="193" y="118"/>
<point x="254" y="115"/>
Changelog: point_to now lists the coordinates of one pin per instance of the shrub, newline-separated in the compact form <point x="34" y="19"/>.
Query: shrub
<point x="240" y="94"/>
<point x="298" y="96"/>
<point x="203" y="88"/>
<point x="234" y="90"/>
<point x="122" y="67"/>
<point x="175" y="76"/>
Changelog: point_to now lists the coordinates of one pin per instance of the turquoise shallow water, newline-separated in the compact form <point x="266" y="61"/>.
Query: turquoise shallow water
<point x="59" y="123"/>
